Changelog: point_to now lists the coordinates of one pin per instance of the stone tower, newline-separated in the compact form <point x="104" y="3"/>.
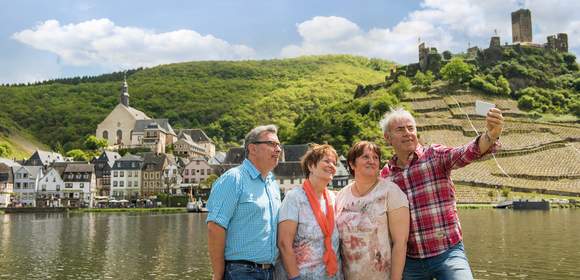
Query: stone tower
<point x="124" y="98"/>
<point x="522" y="26"/>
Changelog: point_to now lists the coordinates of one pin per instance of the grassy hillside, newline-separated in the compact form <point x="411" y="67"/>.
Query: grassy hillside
<point x="225" y="98"/>
<point x="15" y="142"/>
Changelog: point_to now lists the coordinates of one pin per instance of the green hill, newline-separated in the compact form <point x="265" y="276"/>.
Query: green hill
<point x="224" y="98"/>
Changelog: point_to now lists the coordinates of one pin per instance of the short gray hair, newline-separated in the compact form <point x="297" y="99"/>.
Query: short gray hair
<point x="254" y="135"/>
<point x="394" y="114"/>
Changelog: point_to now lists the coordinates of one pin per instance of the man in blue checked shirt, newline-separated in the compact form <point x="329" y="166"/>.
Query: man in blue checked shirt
<point x="243" y="212"/>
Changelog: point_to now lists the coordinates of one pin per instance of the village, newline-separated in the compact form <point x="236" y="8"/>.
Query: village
<point x="48" y="179"/>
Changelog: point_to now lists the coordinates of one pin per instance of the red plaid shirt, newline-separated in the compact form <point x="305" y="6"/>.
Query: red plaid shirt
<point x="427" y="182"/>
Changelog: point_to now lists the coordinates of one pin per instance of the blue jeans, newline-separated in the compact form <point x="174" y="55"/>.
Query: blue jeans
<point x="450" y="265"/>
<point x="238" y="271"/>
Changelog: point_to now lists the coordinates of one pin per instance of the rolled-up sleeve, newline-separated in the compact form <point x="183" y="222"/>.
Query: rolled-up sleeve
<point x="223" y="200"/>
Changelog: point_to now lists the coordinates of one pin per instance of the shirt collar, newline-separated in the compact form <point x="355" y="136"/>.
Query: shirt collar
<point x="252" y="170"/>
<point x="419" y="151"/>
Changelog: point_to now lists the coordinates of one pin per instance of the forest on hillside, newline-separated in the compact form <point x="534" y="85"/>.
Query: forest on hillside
<point x="310" y="98"/>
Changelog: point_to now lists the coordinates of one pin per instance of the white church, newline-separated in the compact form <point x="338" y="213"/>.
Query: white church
<point x="127" y="127"/>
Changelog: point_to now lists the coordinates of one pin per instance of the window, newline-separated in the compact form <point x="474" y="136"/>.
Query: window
<point x="82" y="185"/>
<point x="197" y="162"/>
<point x="202" y="171"/>
<point x="114" y="183"/>
<point x="136" y="173"/>
<point x="24" y="175"/>
<point x="78" y="176"/>
<point x="121" y="184"/>
<point x="186" y="172"/>
<point x="68" y="185"/>
<point x="129" y="184"/>
<point x="57" y="189"/>
<point x="115" y="174"/>
<point x="86" y="176"/>
<point x="43" y="187"/>
<point x="136" y="184"/>
<point x="25" y="185"/>
<point x="54" y="180"/>
<point x="129" y="174"/>
<point x="157" y="175"/>
<point x="145" y="175"/>
<point x="106" y="135"/>
<point x="121" y="173"/>
<point x="208" y="171"/>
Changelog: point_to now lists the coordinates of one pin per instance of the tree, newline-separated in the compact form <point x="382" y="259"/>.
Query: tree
<point x="457" y="71"/>
<point x="5" y="150"/>
<point x="402" y="85"/>
<point x="78" y="155"/>
<point x="94" y="143"/>
<point x="424" y="81"/>
<point x="208" y="182"/>
<point x="447" y="55"/>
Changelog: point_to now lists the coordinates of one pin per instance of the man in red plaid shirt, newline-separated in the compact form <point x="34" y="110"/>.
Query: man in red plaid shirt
<point x="435" y="247"/>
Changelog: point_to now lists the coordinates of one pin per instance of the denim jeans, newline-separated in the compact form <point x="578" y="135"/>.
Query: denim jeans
<point x="238" y="271"/>
<point x="450" y="265"/>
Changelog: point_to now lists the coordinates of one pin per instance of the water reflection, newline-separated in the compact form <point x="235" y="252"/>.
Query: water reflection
<point x="523" y="244"/>
<point x="500" y="245"/>
<point x="103" y="246"/>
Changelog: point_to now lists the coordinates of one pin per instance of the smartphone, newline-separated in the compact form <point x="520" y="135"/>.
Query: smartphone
<point x="482" y="107"/>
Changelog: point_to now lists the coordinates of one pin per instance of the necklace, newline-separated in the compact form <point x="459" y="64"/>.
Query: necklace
<point x="367" y="191"/>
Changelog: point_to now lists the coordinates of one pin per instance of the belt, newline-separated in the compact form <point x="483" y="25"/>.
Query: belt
<point x="253" y="264"/>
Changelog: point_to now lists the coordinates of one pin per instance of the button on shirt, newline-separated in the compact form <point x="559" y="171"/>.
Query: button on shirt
<point x="427" y="183"/>
<point x="246" y="206"/>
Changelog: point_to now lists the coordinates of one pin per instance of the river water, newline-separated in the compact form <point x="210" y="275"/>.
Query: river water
<point x="501" y="244"/>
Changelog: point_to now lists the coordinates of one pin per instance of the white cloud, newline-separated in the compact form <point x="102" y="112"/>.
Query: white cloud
<point x="444" y="24"/>
<point x="101" y="42"/>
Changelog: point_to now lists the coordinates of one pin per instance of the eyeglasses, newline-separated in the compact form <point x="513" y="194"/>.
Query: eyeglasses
<point x="272" y="144"/>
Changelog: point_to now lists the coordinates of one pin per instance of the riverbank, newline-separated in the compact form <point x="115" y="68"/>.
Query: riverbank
<point x="115" y="210"/>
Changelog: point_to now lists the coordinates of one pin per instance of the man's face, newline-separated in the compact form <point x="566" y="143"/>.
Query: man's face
<point x="402" y="135"/>
<point x="266" y="150"/>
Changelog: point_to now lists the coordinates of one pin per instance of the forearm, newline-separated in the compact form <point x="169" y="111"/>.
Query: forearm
<point x="485" y="142"/>
<point x="289" y="260"/>
<point x="216" y="246"/>
<point x="398" y="256"/>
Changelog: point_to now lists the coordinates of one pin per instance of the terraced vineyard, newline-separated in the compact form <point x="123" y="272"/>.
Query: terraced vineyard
<point x="536" y="157"/>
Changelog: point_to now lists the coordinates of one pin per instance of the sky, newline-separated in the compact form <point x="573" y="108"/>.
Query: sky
<point x="42" y="40"/>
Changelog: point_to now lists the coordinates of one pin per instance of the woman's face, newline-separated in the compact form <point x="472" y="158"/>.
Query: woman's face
<point x="367" y="164"/>
<point x="325" y="168"/>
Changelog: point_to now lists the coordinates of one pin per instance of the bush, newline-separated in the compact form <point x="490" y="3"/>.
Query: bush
<point x="526" y="102"/>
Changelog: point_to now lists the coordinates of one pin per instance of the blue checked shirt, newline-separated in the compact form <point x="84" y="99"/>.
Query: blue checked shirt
<point x="247" y="207"/>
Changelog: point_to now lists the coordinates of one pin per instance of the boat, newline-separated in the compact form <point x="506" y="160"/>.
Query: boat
<point x="504" y="204"/>
<point x="195" y="206"/>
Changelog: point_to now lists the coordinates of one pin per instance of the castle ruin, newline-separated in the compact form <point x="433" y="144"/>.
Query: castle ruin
<point x="522" y="26"/>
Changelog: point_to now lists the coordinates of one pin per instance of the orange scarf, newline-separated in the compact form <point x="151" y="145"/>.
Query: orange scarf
<point x="326" y="225"/>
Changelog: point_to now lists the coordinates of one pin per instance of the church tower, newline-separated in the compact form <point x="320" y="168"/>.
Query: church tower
<point x="124" y="99"/>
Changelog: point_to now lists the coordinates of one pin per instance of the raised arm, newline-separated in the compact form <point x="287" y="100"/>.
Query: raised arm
<point x="286" y="234"/>
<point x="399" y="229"/>
<point x="494" y="126"/>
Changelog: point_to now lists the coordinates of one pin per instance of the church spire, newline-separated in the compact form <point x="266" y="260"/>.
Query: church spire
<point x="125" y="92"/>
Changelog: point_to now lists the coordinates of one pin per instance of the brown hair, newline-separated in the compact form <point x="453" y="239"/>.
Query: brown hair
<point x="314" y="154"/>
<point x="357" y="150"/>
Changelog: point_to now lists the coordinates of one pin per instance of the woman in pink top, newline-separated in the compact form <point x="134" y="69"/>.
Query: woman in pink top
<point x="372" y="215"/>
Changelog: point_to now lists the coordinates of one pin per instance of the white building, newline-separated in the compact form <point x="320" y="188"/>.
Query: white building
<point x="126" y="178"/>
<point x="80" y="185"/>
<point x="50" y="192"/>
<point x="26" y="180"/>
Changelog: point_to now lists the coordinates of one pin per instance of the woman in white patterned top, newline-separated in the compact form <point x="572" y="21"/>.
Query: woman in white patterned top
<point x="372" y="215"/>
